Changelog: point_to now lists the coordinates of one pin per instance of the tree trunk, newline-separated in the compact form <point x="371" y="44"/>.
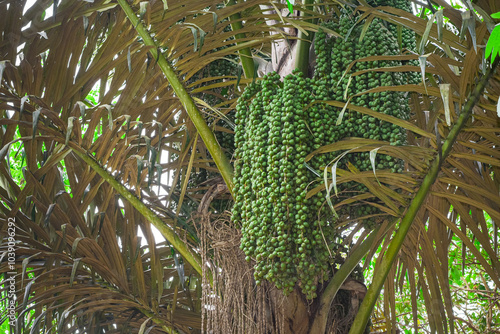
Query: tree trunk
<point x="313" y="317"/>
<point x="297" y="314"/>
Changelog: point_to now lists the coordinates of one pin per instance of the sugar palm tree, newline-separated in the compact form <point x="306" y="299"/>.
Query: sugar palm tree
<point x="115" y="117"/>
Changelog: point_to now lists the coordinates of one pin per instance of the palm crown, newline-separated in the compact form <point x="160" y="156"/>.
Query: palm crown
<point x="117" y="122"/>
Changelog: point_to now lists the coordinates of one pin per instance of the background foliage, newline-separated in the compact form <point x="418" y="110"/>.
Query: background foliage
<point x="84" y="102"/>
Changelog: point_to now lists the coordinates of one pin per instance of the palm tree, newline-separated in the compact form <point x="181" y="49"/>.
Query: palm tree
<point x="117" y="123"/>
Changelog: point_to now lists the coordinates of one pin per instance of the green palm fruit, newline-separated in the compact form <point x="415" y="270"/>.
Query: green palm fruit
<point x="279" y="122"/>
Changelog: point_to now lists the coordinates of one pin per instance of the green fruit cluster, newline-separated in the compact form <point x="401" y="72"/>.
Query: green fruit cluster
<point x="279" y="122"/>
<point x="279" y="224"/>
<point x="405" y="37"/>
<point x="340" y="53"/>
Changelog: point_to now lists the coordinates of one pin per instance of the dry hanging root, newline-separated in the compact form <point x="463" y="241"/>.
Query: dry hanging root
<point x="278" y="122"/>
<point x="232" y="303"/>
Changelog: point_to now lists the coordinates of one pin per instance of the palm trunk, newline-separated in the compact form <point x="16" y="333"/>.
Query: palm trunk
<point x="336" y="315"/>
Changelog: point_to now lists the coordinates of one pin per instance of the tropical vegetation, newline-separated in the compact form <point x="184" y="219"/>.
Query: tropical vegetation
<point x="249" y="166"/>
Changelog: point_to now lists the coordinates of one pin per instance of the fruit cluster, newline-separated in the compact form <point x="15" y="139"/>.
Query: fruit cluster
<point x="280" y="121"/>
<point x="279" y="227"/>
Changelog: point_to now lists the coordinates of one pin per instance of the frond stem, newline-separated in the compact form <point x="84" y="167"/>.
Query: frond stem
<point x="220" y="159"/>
<point x="153" y="317"/>
<point x="304" y="44"/>
<point x="246" y="57"/>
<point x="190" y="256"/>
